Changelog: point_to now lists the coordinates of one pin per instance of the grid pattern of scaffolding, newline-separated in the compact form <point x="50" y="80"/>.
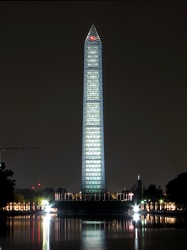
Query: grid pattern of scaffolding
<point x="93" y="166"/>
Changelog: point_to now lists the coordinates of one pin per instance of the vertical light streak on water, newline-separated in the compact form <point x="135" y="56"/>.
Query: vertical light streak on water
<point x="143" y="236"/>
<point x="136" y="239"/>
<point x="46" y="232"/>
<point x="93" y="235"/>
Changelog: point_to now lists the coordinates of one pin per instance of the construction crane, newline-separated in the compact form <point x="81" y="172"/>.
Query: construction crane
<point x="13" y="148"/>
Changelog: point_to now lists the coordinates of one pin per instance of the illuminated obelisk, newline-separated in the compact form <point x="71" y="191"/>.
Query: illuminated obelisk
<point x="93" y="162"/>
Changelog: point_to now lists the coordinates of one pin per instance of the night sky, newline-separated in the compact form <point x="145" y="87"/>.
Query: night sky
<point x="145" y="90"/>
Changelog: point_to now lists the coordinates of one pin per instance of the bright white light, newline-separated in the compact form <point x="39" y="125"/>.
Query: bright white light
<point x="47" y="207"/>
<point x="136" y="217"/>
<point x="136" y="209"/>
<point x="45" y="203"/>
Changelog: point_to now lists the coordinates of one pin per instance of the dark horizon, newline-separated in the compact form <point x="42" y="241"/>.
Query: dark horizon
<point x="144" y="60"/>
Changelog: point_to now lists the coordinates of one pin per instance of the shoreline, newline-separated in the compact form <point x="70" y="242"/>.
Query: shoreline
<point x="80" y="213"/>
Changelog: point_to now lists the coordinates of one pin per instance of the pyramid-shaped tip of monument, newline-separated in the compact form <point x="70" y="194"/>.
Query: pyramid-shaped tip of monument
<point x="93" y="35"/>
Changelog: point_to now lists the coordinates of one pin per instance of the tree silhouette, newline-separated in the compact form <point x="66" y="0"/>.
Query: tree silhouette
<point x="6" y="185"/>
<point x="29" y="195"/>
<point x="61" y="190"/>
<point x="152" y="193"/>
<point x="176" y="190"/>
<point x="49" y="194"/>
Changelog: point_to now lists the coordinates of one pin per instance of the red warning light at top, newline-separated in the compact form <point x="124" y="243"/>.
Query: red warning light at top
<point x="92" y="38"/>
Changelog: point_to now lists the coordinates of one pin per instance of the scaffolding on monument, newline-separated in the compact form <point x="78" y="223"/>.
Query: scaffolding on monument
<point x="93" y="164"/>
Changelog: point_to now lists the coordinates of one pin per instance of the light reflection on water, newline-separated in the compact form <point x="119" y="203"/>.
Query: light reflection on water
<point x="46" y="232"/>
<point x="49" y="232"/>
<point x="93" y="235"/>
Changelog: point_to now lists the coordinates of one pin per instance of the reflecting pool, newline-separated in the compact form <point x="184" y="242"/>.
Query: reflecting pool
<point x="51" y="232"/>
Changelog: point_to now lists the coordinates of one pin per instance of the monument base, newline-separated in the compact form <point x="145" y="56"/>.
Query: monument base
<point x="94" y="207"/>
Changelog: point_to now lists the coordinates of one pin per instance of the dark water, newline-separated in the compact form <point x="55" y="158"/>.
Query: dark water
<point x="50" y="232"/>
